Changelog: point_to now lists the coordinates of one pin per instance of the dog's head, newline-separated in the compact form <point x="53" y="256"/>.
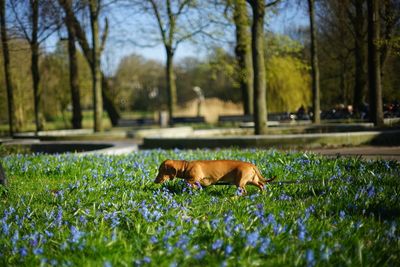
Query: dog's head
<point x="167" y="171"/>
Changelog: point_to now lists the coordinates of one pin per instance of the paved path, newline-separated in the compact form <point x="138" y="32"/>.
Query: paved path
<point x="366" y="152"/>
<point x="131" y="145"/>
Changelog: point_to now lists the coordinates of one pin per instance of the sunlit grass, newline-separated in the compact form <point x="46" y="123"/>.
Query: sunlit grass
<point x="105" y="210"/>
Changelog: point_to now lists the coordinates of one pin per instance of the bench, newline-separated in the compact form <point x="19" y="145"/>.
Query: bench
<point x="136" y="122"/>
<point x="197" y="119"/>
<point x="235" y="118"/>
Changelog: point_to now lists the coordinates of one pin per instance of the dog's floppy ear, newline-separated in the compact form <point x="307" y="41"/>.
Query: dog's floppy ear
<point x="170" y="168"/>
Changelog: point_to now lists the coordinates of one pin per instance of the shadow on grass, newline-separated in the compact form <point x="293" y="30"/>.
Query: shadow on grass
<point x="381" y="212"/>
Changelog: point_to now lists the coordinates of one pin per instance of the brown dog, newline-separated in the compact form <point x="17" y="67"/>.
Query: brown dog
<point x="208" y="172"/>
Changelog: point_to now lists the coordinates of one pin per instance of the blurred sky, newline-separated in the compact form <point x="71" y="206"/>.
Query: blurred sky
<point x="124" y="35"/>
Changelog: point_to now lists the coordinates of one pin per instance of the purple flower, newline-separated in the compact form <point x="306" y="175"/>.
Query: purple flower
<point x="197" y="183"/>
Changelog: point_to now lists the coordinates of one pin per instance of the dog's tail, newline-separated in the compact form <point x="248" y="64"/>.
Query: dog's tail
<point x="261" y="178"/>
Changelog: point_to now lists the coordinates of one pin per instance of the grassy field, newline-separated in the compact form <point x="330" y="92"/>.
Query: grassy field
<point x="72" y="210"/>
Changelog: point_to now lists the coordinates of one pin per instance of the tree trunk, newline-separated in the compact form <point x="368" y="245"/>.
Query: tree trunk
<point x="360" y="57"/>
<point x="171" y="84"/>
<point x="108" y="103"/>
<point x="73" y="78"/>
<point x="87" y="51"/>
<point x="95" y="67"/>
<point x="3" y="177"/>
<point x="35" y="63"/>
<point x="7" y="73"/>
<point x="314" y="65"/>
<point x="243" y="55"/>
<point x="374" y="71"/>
<point x="257" y="45"/>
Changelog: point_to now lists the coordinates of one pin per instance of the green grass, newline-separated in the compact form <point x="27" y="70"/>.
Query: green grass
<point x="106" y="211"/>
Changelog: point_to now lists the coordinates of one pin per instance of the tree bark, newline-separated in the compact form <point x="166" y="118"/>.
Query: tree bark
<point x="35" y="63"/>
<point x="243" y="55"/>
<point x="257" y="46"/>
<point x="314" y="65"/>
<point x="95" y="67"/>
<point x="171" y="84"/>
<point x="360" y="82"/>
<point x="73" y="77"/>
<point x="7" y="72"/>
<point x="374" y="70"/>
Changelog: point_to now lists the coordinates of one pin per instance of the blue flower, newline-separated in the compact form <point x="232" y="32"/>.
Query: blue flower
<point x="5" y="227"/>
<point x="217" y="244"/>
<point x="239" y="191"/>
<point x="285" y="197"/>
<point x="228" y="249"/>
<point x="302" y="230"/>
<point x="200" y="255"/>
<point x="371" y="191"/>
<point x="107" y="264"/>
<point x="75" y="234"/>
<point x="265" y="242"/>
<point x="153" y="239"/>
<point x="37" y="251"/>
<point x="342" y="214"/>
<point x="310" y="257"/>
<point x="146" y="260"/>
<point x="48" y="233"/>
<point x="23" y="251"/>
<point x="252" y="239"/>
<point x="59" y="217"/>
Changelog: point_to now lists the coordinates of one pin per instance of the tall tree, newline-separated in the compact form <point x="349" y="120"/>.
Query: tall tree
<point x="358" y="21"/>
<point x="94" y="9"/>
<point x="73" y="75"/>
<point x="87" y="51"/>
<point x="374" y="63"/>
<point x="243" y="54"/>
<point x="314" y="64"/>
<point x="257" y="48"/>
<point x="176" y="22"/>
<point x="35" y="61"/>
<point x="42" y="20"/>
<point x="7" y="72"/>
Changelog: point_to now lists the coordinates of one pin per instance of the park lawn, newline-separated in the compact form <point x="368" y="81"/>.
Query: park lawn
<point x="98" y="210"/>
